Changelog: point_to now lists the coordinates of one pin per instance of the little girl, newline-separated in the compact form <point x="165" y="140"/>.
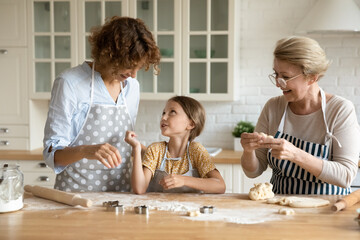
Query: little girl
<point x="180" y="165"/>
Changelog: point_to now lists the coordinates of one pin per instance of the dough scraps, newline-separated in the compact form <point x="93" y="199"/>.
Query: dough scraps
<point x="286" y="211"/>
<point x="261" y="191"/>
<point x="299" y="202"/>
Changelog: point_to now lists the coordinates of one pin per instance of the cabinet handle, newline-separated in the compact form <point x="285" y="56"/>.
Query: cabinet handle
<point x="42" y="165"/>
<point x="44" y="179"/>
<point x="4" y="130"/>
<point x="3" y="51"/>
<point x="5" y="143"/>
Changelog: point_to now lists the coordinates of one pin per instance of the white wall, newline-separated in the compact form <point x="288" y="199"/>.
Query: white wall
<point x="263" y="22"/>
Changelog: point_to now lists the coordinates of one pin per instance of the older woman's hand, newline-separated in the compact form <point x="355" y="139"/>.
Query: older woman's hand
<point x="250" y="141"/>
<point x="281" y="148"/>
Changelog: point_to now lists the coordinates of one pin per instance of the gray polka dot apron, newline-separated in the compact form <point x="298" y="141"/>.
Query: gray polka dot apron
<point x="103" y="124"/>
<point x="160" y="173"/>
<point x="290" y="178"/>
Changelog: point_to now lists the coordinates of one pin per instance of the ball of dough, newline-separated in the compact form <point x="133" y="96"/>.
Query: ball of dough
<point x="286" y="211"/>
<point x="261" y="191"/>
<point x="265" y="135"/>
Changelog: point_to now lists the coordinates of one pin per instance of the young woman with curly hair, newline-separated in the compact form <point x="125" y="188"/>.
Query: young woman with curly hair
<point x="94" y="104"/>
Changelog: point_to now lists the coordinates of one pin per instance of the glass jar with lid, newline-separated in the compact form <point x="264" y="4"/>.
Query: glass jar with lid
<point x="11" y="188"/>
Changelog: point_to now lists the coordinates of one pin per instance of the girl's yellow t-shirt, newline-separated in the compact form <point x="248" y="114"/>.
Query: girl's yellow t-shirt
<point x="200" y="159"/>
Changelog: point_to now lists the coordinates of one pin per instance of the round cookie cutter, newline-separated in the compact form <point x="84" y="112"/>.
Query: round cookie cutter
<point x="207" y="209"/>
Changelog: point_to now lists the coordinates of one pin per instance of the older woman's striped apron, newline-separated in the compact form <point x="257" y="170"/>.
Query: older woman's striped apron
<point x="290" y="178"/>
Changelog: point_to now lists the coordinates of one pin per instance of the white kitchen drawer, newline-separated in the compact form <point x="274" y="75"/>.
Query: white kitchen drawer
<point x="14" y="131"/>
<point x="9" y="143"/>
<point x="34" y="166"/>
<point x="42" y="179"/>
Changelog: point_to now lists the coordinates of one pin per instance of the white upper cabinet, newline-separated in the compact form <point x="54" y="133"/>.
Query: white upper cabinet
<point x="13" y="23"/>
<point x="196" y="41"/>
<point x="195" y="37"/>
<point x="52" y="43"/>
<point x="94" y="13"/>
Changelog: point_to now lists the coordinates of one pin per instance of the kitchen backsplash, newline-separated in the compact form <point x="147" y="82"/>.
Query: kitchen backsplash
<point x="263" y="22"/>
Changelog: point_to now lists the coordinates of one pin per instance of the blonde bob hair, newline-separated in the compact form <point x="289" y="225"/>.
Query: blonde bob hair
<point x="303" y="52"/>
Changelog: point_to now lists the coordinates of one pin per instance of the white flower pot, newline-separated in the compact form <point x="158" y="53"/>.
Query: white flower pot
<point x="237" y="145"/>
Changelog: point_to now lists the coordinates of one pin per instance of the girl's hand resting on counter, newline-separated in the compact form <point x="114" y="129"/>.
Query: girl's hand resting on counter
<point x="172" y="181"/>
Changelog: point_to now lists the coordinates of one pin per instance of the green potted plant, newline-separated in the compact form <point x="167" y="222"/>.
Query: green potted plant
<point x="240" y="128"/>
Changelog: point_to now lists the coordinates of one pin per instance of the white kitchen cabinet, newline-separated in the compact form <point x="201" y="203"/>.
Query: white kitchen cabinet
<point x="52" y="40"/>
<point x="196" y="40"/>
<point x="195" y="37"/>
<point x="13" y="23"/>
<point x="14" y="104"/>
<point x="35" y="172"/>
<point x="226" y="172"/>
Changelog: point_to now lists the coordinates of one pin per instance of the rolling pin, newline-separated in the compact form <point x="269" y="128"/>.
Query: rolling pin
<point x="347" y="201"/>
<point x="58" y="196"/>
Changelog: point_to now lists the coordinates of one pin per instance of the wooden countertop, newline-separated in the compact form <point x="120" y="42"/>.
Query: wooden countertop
<point x="52" y="220"/>
<point x="225" y="156"/>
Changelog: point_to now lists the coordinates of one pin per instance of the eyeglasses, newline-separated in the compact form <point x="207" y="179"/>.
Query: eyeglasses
<point x="282" y="82"/>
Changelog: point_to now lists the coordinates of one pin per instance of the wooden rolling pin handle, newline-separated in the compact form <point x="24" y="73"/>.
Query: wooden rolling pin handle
<point x="77" y="200"/>
<point x="347" y="201"/>
<point x="339" y="205"/>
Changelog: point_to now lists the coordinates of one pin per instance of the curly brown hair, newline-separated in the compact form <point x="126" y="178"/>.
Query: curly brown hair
<point x="124" y="43"/>
<point x="195" y="112"/>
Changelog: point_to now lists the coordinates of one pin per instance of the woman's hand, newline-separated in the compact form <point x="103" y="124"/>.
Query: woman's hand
<point x="250" y="141"/>
<point x="130" y="138"/>
<point x="281" y="148"/>
<point x="105" y="153"/>
<point x="172" y="181"/>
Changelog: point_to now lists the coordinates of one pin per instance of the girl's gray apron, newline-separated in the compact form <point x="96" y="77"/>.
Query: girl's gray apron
<point x="160" y="173"/>
<point x="103" y="124"/>
<point x="290" y="178"/>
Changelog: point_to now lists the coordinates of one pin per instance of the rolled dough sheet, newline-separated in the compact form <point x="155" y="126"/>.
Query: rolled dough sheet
<point x="299" y="202"/>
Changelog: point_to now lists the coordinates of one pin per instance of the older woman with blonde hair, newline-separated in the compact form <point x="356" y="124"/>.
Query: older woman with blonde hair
<point x="316" y="143"/>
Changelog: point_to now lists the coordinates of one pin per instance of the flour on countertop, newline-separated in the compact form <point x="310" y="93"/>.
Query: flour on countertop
<point x="239" y="216"/>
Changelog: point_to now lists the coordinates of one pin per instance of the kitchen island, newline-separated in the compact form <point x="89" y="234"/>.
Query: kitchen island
<point x="236" y="217"/>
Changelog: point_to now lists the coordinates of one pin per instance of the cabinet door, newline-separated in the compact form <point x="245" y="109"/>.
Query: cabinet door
<point x="162" y="17"/>
<point x="52" y="40"/>
<point x="226" y="172"/>
<point x="207" y="44"/>
<point x="92" y="13"/>
<point x="13" y="90"/>
<point x="12" y="23"/>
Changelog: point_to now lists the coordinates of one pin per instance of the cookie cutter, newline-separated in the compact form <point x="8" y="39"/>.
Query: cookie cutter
<point x="207" y="209"/>
<point x="113" y="206"/>
<point x="143" y="209"/>
<point x="110" y="203"/>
